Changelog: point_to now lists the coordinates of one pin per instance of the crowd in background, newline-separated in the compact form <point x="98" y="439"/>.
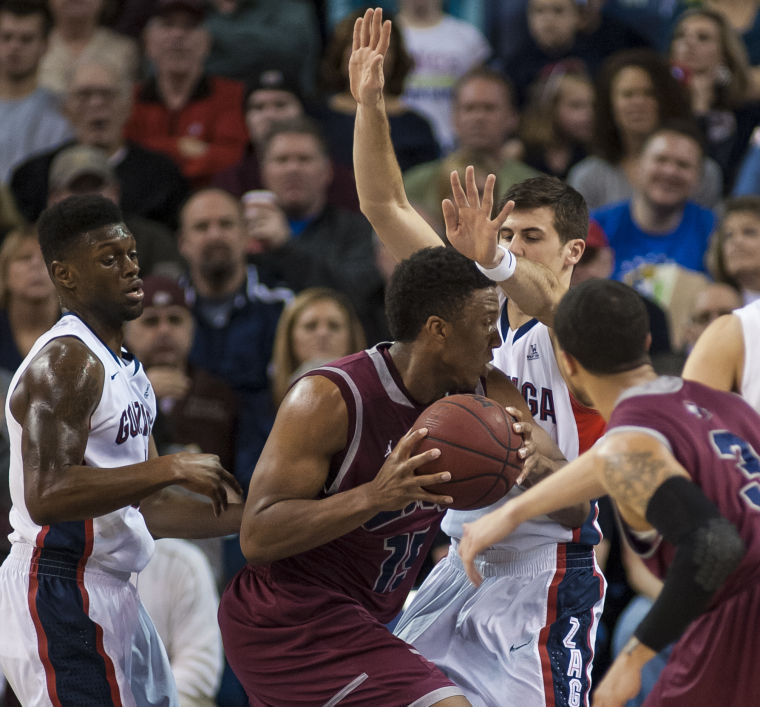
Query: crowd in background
<point x="224" y="131"/>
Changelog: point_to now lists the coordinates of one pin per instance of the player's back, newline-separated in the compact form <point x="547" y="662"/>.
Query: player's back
<point x="715" y="436"/>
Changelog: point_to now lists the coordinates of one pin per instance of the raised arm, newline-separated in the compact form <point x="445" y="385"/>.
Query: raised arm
<point x="53" y="403"/>
<point x="284" y="514"/>
<point x="717" y="359"/>
<point x="378" y="177"/>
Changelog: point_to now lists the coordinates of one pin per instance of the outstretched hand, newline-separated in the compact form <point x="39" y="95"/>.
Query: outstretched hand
<point x="365" y="67"/>
<point x="469" y="226"/>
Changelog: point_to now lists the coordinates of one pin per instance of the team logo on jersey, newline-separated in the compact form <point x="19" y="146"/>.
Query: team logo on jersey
<point x="135" y="420"/>
<point x="696" y="410"/>
<point x="532" y="353"/>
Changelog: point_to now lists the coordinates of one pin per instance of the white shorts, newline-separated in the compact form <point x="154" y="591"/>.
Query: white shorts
<point x="525" y="637"/>
<point x="76" y="640"/>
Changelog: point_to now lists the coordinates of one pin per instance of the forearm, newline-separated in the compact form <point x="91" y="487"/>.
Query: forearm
<point x="380" y="186"/>
<point x="83" y="492"/>
<point x="534" y="289"/>
<point x="288" y="527"/>
<point x="176" y="513"/>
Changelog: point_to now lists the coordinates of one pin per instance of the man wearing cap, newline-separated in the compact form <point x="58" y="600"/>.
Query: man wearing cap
<point x="196" y="410"/>
<point x="181" y="110"/>
<point x="82" y="169"/>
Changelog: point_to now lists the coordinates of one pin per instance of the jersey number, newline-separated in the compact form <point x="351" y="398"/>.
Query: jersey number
<point x="730" y="446"/>
<point x="403" y="551"/>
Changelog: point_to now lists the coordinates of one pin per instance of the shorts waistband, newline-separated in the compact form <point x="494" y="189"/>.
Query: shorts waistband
<point x="55" y="563"/>
<point x="501" y="562"/>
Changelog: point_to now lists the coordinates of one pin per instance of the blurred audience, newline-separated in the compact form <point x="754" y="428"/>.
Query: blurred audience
<point x="180" y="110"/>
<point x="272" y="97"/>
<point x="411" y="133"/>
<point x="196" y="410"/>
<point x="715" y="300"/>
<point x="635" y="92"/>
<point x="82" y="169"/>
<point x="734" y="256"/>
<point x="249" y="36"/>
<point x="484" y="119"/>
<point x="298" y="238"/>
<point x="76" y="35"/>
<point x="318" y="326"/>
<point x="443" y="48"/>
<point x="97" y="103"/>
<point x="712" y="62"/>
<point x="235" y="314"/>
<point x="30" y="115"/>
<point x="556" y="127"/>
<point x="28" y="303"/>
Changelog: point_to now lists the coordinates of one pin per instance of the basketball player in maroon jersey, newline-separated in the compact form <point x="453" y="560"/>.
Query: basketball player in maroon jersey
<point x="337" y="523"/>
<point x="681" y="462"/>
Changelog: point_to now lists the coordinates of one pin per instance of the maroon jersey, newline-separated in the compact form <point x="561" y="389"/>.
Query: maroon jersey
<point x="377" y="563"/>
<point x="715" y="436"/>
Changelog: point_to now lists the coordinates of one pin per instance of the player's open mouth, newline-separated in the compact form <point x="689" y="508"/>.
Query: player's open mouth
<point x="135" y="293"/>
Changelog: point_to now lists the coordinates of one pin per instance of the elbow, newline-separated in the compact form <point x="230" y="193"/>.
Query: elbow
<point x="40" y="510"/>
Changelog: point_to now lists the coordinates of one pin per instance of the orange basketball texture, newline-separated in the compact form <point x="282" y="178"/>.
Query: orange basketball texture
<point x="478" y="447"/>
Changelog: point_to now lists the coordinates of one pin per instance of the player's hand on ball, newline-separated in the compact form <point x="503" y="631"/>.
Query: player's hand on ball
<point x="396" y="484"/>
<point x="204" y="474"/>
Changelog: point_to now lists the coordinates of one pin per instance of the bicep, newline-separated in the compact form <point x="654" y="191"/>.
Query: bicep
<point x="310" y="427"/>
<point x="717" y="357"/>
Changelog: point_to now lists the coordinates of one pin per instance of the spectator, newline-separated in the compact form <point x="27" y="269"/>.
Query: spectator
<point x="196" y="411"/>
<point x="318" y="326"/>
<point x="235" y="313"/>
<point x="82" y="169"/>
<point x="28" y="304"/>
<point x="270" y="97"/>
<point x="248" y="36"/>
<point x="180" y="110"/>
<point x="413" y="137"/>
<point x="177" y="588"/>
<point x="484" y="118"/>
<point x="97" y="103"/>
<point x="557" y="124"/>
<point x="635" y="93"/>
<point x="734" y="256"/>
<point x="303" y="241"/>
<point x="77" y="35"/>
<point x="30" y="115"/>
<point x="660" y="224"/>
<point x="443" y="48"/>
<point x="715" y="300"/>
<point x="713" y="63"/>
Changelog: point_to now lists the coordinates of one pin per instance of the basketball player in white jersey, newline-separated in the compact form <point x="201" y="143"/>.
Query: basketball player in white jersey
<point x="727" y="354"/>
<point x="527" y="636"/>
<point x="88" y="489"/>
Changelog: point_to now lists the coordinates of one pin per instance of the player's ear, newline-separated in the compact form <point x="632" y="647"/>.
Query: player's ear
<point x="437" y="328"/>
<point x="63" y="274"/>
<point x="648" y="342"/>
<point x="574" y="250"/>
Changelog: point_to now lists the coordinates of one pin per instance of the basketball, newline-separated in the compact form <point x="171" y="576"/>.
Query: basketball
<point x="478" y="447"/>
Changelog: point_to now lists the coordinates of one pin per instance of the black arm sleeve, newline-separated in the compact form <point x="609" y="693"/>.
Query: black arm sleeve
<point x="708" y="550"/>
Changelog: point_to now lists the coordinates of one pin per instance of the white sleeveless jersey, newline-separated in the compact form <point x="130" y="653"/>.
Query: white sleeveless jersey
<point x="120" y="429"/>
<point x="527" y="358"/>
<point x="750" y="383"/>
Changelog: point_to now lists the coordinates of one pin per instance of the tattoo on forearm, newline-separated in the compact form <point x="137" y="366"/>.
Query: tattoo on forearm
<point x="633" y="477"/>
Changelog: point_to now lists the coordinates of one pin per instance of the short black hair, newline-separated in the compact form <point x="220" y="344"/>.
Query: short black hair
<point x="569" y="206"/>
<point x="26" y="8"/>
<point x="62" y="225"/>
<point x="604" y="325"/>
<point x="431" y="282"/>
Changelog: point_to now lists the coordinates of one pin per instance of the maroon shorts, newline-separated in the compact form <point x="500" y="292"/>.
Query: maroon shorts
<point x="716" y="661"/>
<point x="292" y="643"/>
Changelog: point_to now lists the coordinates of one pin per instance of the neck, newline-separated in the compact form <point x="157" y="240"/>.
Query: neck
<point x="175" y="87"/>
<point x="654" y="219"/>
<point x="11" y="88"/>
<point x="632" y="144"/>
<point x="604" y="391"/>
<point x="413" y="364"/>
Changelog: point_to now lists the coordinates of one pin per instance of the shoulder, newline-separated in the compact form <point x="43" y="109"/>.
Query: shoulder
<point x="69" y="361"/>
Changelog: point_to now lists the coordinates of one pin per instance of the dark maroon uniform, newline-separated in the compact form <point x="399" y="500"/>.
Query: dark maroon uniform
<point x="309" y="629"/>
<point x="715" y="436"/>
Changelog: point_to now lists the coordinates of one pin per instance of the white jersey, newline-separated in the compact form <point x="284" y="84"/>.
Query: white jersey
<point x="527" y="358"/>
<point x="120" y="429"/>
<point x="749" y="316"/>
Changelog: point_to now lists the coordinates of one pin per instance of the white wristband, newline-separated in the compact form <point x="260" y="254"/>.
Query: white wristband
<point x="504" y="270"/>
